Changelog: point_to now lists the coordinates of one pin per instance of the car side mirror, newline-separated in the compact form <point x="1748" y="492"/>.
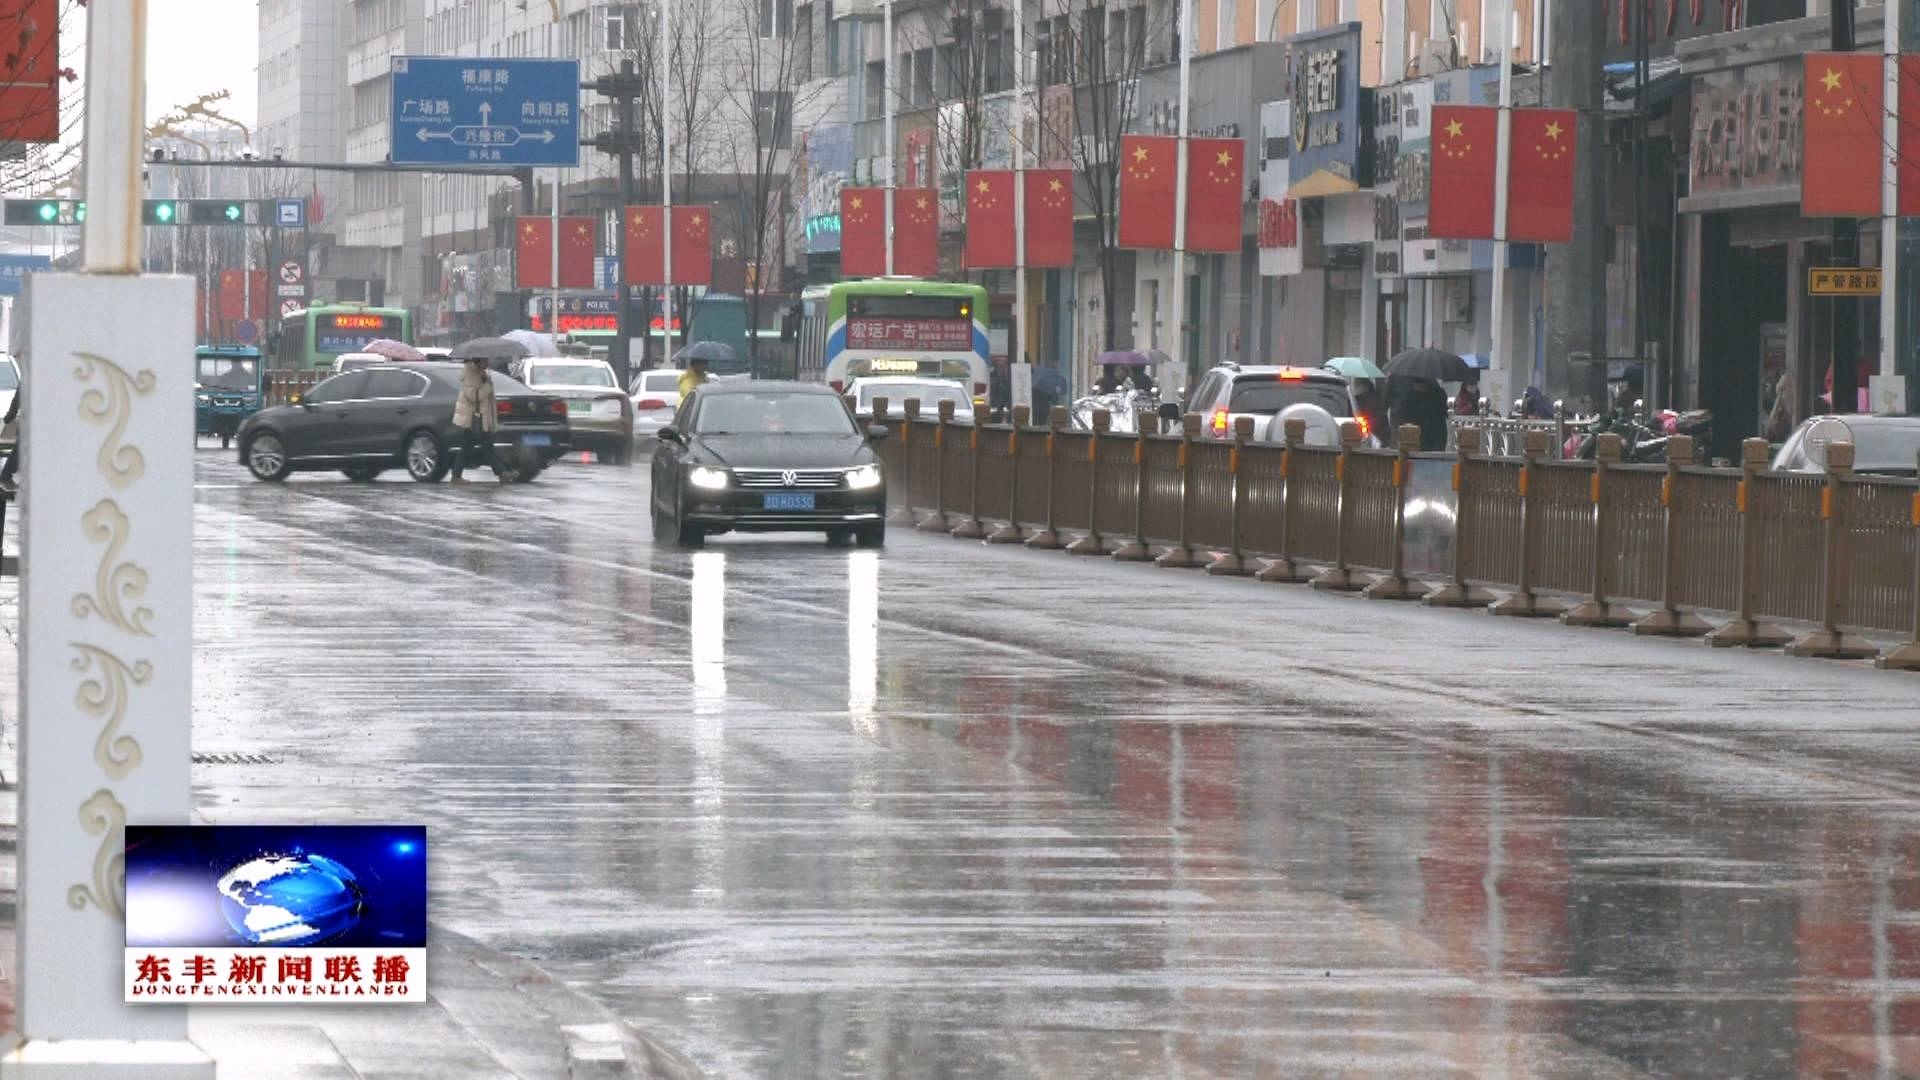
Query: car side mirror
<point x="671" y="435"/>
<point x="876" y="432"/>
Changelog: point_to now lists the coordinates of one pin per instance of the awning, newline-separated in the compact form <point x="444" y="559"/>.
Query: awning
<point x="1664" y="81"/>
<point x="1322" y="184"/>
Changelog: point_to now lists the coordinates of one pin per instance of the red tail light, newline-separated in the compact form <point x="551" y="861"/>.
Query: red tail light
<point x="557" y="408"/>
<point x="1366" y="427"/>
<point x="1290" y="375"/>
<point x="503" y="408"/>
<point x="651" y="403"/>
<point x="1220" y="422"/>
<point x="838" y="386"/>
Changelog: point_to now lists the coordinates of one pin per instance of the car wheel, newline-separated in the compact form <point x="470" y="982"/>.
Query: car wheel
<point x="871" y="536"/>
<point x="362" y="473"/>
<point x="526" y="474"/>
<point x="839" y="537"/>
<point x="426" y="458"/>
<point x="687" y="534"/>
<point x="662" y="526"/>
<point x="267" y="457"/>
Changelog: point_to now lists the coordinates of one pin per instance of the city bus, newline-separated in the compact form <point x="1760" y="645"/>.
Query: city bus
<point x="310" y="339"/>
<point x="893" y="326"/>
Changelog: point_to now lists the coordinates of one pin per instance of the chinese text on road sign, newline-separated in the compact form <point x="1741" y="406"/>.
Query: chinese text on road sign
<point x="485" y="111"/>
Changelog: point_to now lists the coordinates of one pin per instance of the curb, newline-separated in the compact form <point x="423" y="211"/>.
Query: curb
<point x="598" y="1043"/>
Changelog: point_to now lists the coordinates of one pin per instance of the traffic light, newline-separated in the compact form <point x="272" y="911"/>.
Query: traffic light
<point x="45" y="212"/>
<point x="217" y="211"/>
<point x="160" y="212"/>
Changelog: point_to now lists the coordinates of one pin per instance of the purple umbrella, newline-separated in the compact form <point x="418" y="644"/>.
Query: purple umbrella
<point x="393" y="350"/>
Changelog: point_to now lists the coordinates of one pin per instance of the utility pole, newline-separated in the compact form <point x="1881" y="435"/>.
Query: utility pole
<point x="623" y="142"/>
<point x="1576" y="272"/>
<point x="1844" y="344"/>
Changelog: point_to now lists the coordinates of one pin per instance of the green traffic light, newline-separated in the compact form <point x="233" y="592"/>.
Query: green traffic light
<point x="163" y="213"/>
<point x="79" y="211"/>
<point x="233" y="212"/>
<point x="48" y="212"/>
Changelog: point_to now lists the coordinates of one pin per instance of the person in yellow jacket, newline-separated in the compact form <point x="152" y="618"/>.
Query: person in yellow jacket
<point x="695" y="374"/>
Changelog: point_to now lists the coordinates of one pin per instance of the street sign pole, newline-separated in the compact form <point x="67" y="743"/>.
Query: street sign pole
<point x="666" y="179"/>
<point x="106" y="671"/>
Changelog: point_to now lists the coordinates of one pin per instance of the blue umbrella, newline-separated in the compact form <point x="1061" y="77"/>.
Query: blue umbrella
<point x="1048" y="381"/>
<point x="1355" y="367"/>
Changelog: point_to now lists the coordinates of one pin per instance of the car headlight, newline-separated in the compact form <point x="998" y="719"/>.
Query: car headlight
<point x="704" y="477"/>
<point x="864" y="477"/>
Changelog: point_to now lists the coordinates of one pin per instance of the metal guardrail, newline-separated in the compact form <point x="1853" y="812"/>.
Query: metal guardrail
<point x="1837" y="550"/>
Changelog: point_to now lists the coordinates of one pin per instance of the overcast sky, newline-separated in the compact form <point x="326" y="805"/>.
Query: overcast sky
<point x="196" y="47"/>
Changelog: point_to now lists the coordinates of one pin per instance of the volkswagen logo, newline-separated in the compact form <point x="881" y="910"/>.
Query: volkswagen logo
<point x="788" y="478"/>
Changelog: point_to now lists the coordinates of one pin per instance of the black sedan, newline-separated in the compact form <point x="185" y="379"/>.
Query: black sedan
<point x="399" y="415"/>
<point x="767" y="457"/>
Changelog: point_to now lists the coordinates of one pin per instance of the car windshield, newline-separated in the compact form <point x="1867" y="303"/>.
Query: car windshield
<point x="569" y="375"/>
<point x="930" y="395"/>
<point x="1267" y="396"/>
<point x="772" y="414"/>
<point x="218" y="373"/>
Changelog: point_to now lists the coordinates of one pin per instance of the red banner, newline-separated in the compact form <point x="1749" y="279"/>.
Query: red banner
<point x="989" y="219"/>
<point x="30" y="71"/>
<point x="1540" y="176"/>
<point x="1845" y="107"/>
<point x="1279" y="223"/>
<point x="646" y="246"/>
<point x="1216" y="193"/>
<point x="863" y="232"/>
<point x="533" y="253"/>
<point x="576" y="252"/>
<point x="1465" y="141"/>
<point x="1147" y="183"/>
<point x="1049" y="209"/>
<point x="931" y="335"/>
<point x="241" y="299"/>
<point x="916" y="232"/>
<point x="693" y="245"/>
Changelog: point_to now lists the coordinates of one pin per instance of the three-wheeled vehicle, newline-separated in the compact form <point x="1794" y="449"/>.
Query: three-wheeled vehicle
<point x="230" y="384"/>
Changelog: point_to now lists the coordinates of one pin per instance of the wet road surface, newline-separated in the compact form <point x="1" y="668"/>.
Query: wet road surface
<point x="958" y="811"/>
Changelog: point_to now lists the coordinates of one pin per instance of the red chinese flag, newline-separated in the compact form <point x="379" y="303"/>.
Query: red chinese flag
<point x="1049" y="217"/>
<point x="230" y="296"/>
<point x="916" y="232"/>
<point x="1540" y="176"/>
<point x="1910" y="135"/>
<point x="1465" y="142"/>
<point x="576" y="253"/>
<point x="257" y="301"/>
<point x="989" y="219"/>
<point x="863" y="232"/>
<point x="693" y="245"/>
<point x="30" y="70"/>
<point x="1216" y="193"/>
<point x="533" y="253"/>
<point x="1845" y="103"/>
<point x="1147" y="190"/>
<point x="646" y="246"/>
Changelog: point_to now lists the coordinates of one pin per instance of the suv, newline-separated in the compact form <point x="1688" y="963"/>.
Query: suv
<point x="1231" y="391"/>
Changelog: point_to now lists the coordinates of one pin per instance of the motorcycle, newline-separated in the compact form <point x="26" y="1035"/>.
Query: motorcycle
<point x="1644" y="442"/>
<point x="1125" y="408"/>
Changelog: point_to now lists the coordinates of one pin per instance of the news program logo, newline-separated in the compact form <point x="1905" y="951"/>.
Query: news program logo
<point x="262" y="913"/>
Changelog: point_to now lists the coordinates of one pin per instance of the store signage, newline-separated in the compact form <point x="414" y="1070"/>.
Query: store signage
<point x="1842" y="281"/>
<point x="932" y="335"/>
<point x="1324" y="75"/>
<point x="1746" y="129"/>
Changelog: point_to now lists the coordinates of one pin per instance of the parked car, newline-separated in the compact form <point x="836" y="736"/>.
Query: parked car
<point x="1882" y="445"/>
<point x="1230" y="391"/>
<point x="767" y="457"/>
<point x="399" y="415"/>
<point x="656" y="394"/>
<point x="601" y="416"/>
<point x="898" y="388"/>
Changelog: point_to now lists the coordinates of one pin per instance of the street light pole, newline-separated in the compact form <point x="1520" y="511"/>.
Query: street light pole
<point x="1181" y="359"/>
<point x="1498" y="363"/>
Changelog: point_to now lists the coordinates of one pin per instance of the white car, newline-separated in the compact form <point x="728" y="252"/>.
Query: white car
<point x="9" y="386"/>
<point x="656" y="394"/>
<point x="897" y="389"/>
<point x="1230" y="391"/>
<point x="1882" y="445"/>
<point x="354" y="361"/>
<point x="600" y="416"/>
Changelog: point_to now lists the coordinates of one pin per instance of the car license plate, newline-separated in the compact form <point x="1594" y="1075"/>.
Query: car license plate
<point x="536" y="440"/>
<point x="788" y="501"/>
<point x="579" y="407"/>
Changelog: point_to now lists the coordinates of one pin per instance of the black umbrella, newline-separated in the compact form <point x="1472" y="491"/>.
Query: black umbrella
<point x="494" y="350"/>
<point x="1048" y="381"/>
<point x="713" y="352"/>
<point x="1429" y="364"/>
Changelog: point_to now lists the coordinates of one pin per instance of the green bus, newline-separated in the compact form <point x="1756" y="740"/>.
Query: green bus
<point x="893" y="326"/>
<point x="311" y="339"/>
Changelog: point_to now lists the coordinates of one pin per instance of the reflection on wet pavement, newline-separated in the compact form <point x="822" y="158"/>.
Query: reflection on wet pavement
<point x="950" y="810"/>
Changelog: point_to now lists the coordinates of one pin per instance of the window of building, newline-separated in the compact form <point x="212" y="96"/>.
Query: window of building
<point x="836" y="60"/>
<point x="923" y="77"/>
<point x="776" y="18"/>
<point x="372" y="102"/>
<point x="876" y="88"/>
<point x="622" y="28"/>
<point x="773" y="119"/>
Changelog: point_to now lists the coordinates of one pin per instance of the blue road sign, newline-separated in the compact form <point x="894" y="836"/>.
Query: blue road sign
<point x="485" y="111"/>
<point x="13" y="268"/>
<point x="606" y="272"/>
<point x="290" y="213"/>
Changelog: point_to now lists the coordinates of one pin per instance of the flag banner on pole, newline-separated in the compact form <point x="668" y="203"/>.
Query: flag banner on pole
<point x="577" y="249"/>
<point x="916" y="232"/>
<point x="1049" y="209"/>
<point x="1540" y="176"/>
<point x="1465" y="145"/>
<point x="533" y="253"/>
<point x="863" y="232"/>
<point x="1216" y="170"/>
<point x="693" y="245"/>
<point x="989" y="219"/>
<point x="1909" y="170"/>
<point x="1148" y="179"/>
<point x="30" y="98"/>
<point x="646" y="246"/>
<point x="1844" y="138"/>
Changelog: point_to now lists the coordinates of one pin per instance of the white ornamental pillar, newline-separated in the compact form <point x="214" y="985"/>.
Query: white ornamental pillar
<point x="106" y="561"/>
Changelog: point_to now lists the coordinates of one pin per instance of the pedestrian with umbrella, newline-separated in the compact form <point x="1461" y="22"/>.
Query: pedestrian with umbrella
<point x="1414" y="395"/>
<point x="697" y="358"/>
<point x="475" y="411"/>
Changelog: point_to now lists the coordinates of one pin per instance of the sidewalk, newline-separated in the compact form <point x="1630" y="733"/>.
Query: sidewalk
<point x="487" y="1014"/>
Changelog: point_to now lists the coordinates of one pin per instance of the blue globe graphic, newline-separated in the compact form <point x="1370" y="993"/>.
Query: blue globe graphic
<point x="290" y="900"/>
